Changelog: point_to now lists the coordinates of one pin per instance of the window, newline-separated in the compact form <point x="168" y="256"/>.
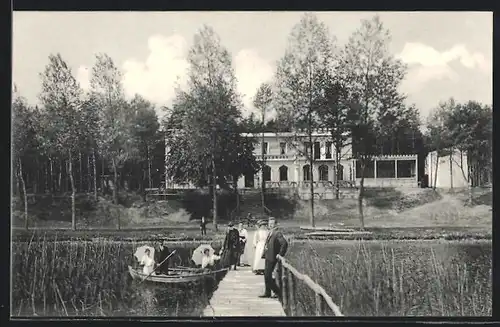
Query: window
<point x="283" y="173"/>
<point x="265" y="147"/>
<point x="282" y="148"/>
<point x="317" y="150"/>
<point x="306" y="173"/>
<point x="267" y="173"/>
<point x="323" y="173"/>
<point x="328" y="150"/>
<point x="306" y="148"/>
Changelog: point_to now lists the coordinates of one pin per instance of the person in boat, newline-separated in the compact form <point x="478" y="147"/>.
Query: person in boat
<point x="203" y="226"/>
<point x="259" y="241"/>
<point x="276" y="244"/>
<point x="231" y="248"/>
<point x="243" y="241"/>
<point x="209" y="260"/>
<point x="147" y="262"/>
<point x="161" y="254"/>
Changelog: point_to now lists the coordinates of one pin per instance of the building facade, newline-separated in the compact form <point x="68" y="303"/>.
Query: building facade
<point x="286" y="164"/>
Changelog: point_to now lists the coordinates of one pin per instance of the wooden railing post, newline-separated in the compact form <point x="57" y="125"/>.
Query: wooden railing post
<point x="288" y="290"/>
<point x="291" y="292"/>
<point x="320" y="309"/>
<point x="284" y="286"/>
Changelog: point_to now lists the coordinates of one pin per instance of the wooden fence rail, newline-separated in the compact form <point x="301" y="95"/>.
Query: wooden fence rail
<point x="288" y="276"/>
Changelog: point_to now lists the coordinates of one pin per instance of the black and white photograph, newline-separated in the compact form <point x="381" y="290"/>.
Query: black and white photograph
<point x="210" y="164"/>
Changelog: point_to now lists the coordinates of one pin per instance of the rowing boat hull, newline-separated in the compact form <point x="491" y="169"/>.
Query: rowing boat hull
<point x="177" y="278"/>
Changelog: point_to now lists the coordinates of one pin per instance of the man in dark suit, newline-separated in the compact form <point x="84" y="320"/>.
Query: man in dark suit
<point x="161" y="254"/>
<point x="275" y="244"/>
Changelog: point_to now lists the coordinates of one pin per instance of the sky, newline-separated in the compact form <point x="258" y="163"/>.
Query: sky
<point x="448" y="54"/>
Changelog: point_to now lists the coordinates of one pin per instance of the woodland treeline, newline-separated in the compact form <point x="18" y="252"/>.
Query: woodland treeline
<point x="75" y="141"/>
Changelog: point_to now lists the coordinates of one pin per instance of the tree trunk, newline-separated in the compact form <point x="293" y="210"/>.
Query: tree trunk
<point x="103" y="181"/>
<point x="361" y="195"/>
<point x="23" y="185"/>
<point x="263" y="183"/>
<point x="51" y="176"/>
<point x="235" y="187"/>
<point x="115" y="182"/>
<point x="337" y="172"/>
<point x="94" y="167"/>
<point x="311" y="184"/>
<point x="214" y="187"/>
<point x="46" y="180"/>
<point x="89" y="175"/>
<point x="436" y="171"/>
<point x="73" y="191"/>
<point x="60" y="178"/>
<point x="115" y="189"/>
<point x="451" y="170"/>
<point x="81" y="172"/>
<point x="149" y="167"/>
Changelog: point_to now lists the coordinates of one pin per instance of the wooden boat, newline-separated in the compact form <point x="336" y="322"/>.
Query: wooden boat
<point x="176" y="276"/>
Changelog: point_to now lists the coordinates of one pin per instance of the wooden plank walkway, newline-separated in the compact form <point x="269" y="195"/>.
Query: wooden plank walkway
<point x="238" y="295"/>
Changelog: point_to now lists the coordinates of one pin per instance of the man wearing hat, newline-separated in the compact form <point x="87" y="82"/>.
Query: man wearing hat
<point x="161" y="254"/>
<point x="231" y="247"/>
<point x="275" y="244"/>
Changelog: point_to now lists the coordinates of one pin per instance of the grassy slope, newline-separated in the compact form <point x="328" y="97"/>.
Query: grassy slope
<point x="405" y="208"/>
<point x="384" y="208"/>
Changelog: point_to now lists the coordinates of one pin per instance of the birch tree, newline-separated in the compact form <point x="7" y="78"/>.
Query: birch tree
<point x="373" y="77"/>
<point x="61" y="100"/>
<point x="307" y="59"/>
<point x="23" y="143"/>
<point x="145" y="130"/>
<point x="263" y="101"/>
<point x="336" y="115"/>
<point x="90" y="124"/>
<point x="438" y="133"/>
<point x="114" y="141"/>
<point x="470" y="131"/>
<point x="206" y="115"/>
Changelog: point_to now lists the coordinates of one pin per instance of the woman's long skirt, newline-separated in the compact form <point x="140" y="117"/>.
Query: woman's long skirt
<point x="258" y="262"/>
<point x="247" y="256"/>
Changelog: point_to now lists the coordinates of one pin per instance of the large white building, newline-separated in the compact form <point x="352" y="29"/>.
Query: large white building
<point x="287" y="166"/>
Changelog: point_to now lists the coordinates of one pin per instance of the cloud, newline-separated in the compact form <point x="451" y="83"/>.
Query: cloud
<point x="251" y="71"/>
<point x="426" y="63"/>
<point x="165" y="67"/>
<point x="157" y="77"/>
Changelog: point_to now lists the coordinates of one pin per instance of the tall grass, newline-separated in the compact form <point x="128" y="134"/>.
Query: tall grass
<point x="75" y="278"/>
<point x="398" y="278"/>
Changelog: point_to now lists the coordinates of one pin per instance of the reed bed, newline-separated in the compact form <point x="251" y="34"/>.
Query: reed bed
<point x="397" y="278"/>
<point x="75" y="278"/>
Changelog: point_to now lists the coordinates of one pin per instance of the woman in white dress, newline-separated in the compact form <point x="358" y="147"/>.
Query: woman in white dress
<point x="259" y="241"/>
<point x="148" y="262"/>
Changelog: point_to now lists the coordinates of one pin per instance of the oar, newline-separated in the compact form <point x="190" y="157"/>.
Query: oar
<point x="158" y="266"/>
